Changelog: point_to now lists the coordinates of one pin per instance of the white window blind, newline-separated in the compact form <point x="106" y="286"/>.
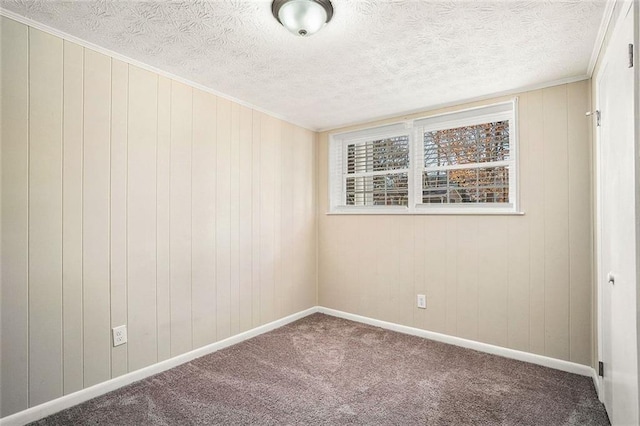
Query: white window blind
<point x="377" y="172"/>
<point x="461" y="162"/>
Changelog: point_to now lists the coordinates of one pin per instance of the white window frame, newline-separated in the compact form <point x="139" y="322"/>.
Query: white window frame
<point x="415" y="130"/>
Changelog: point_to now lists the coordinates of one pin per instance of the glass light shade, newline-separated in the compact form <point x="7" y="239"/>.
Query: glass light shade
<point x="302" y="17"/>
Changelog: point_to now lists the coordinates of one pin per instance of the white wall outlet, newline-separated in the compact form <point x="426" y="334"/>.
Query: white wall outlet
<point x="119" y="335"/>
<point x="422" y="301"/>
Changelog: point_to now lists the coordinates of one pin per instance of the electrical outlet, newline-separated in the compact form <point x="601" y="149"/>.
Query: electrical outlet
<point x="119" y="335"/>
<point x="422" y="301"/>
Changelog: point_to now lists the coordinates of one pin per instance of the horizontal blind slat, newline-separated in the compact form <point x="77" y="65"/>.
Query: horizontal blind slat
<point x="378" y="155"/>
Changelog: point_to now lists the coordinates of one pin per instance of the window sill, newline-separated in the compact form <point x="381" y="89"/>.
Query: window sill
<point x="422" y="212"/>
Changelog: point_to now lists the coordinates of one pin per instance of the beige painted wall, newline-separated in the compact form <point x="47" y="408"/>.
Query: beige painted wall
<point x="129" y="198"/>
<point x="121" y="204"/>
<point x="522" y="282"/>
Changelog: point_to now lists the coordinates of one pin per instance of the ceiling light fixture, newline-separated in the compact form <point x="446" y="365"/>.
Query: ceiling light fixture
<point x="302" y="17"/>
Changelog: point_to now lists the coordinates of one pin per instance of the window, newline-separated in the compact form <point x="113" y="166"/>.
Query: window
<point x="461" y="162"/>
<point x="467" y="164"/>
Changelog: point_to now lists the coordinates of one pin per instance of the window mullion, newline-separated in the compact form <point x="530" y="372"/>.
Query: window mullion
<point x="414" y="168"/>
<point x="377" y="173"/>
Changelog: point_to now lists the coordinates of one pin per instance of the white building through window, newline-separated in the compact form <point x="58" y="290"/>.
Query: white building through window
<point x="459" y="162"/>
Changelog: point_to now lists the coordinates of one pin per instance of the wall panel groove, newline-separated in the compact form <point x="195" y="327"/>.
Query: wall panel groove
<point x="521" y="282"/>
<point x="45" y="217"/>
<point x="141" y="218"/>
<point x="245" y="186"/>
<point x="72" y="217"/>
<point x="234" y="214"/>
<point x="204" y="203"/>
<point x="119" y="177"/>
<point x="131" y="199"/>
<point x="556" y="211"/>
<point x="96" y="218"/>
<point x="180" y="218"/>
<point x="14" y="128"/>
<point x="223" y="218"/>
<point x="163" y="165"/>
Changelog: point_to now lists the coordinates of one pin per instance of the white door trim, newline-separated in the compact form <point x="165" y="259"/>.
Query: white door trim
<point x="598" y="235"/>
<point x="613" y="25"/>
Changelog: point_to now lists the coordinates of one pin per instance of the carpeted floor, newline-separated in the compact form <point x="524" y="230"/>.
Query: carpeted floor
<point x="326" y="370"/>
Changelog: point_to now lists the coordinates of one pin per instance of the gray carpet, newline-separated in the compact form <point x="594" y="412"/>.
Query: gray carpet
<point x="326" y="370"/>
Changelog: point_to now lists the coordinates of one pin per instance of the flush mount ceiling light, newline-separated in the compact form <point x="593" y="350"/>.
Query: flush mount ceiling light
<point x="302" y="17"/>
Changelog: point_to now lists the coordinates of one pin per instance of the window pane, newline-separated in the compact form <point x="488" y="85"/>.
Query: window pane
<point x="380" y="190"/>
<point x="378" y="155"/>
<point x="483" y="185"/>
<point x="480" y="143"/>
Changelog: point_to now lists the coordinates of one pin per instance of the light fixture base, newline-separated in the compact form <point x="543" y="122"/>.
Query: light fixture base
<point x="302" y="17"/>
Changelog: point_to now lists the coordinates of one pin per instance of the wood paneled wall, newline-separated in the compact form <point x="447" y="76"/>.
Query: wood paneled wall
<point x="521" y="282"/>
<point x="129" y="198"/>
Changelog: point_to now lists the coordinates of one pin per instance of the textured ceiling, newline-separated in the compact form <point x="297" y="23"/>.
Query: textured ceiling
<point x="376" y="58"/>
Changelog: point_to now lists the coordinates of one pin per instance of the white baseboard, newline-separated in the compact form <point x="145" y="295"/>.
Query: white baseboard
<point x="558" y="364"/>
<point x="596" y="384"/>
<point x="51" y="407"/>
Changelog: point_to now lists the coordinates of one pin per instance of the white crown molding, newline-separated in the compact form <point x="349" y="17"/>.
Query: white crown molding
<point x="600" y="37"/>
<point x="51" y="407"/>
<point x="84" y="43"/>
<point x="68" y="37"/>
<point x="426" y="110"/>
<point x="557" y="364"/>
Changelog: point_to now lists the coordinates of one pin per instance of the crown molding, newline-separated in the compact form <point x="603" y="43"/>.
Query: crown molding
<point x="600" y="37"/>
<point x="86" y="44"/>
<point x="425" y="110"/>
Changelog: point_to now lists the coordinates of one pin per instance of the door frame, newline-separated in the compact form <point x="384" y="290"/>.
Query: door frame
<point x="598" y="226"/>
<point x="632" y="8"/>
<point x="636" y="135"/>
